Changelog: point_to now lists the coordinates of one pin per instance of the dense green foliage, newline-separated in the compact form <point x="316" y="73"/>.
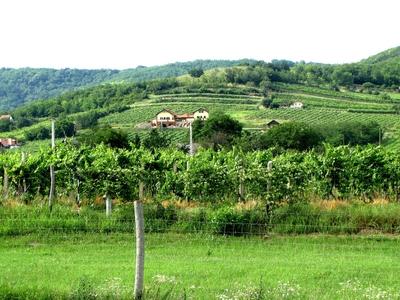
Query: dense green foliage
<point x="154" y="140"/>
<point x="218" y="130"/>
<point x="63" y="129"/>
<point x="105" y="135"/>
<point x="196" y="72"/>
<point x="338" y="172"/>
<point x="18" y="86"/>
<point x="292" y="135"/>
<point x="352" y="133"/>
<point x="302" y="136"/>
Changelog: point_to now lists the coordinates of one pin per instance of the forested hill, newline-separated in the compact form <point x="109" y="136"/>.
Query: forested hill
<point x="389" y="55"/>
<point x="18" y="86"/>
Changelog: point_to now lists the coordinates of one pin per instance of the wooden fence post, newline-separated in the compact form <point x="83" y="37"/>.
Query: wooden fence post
<point x="52" y="173"/>
<point x="269" y="169"/>
<point x="268" y="206"/>
<point x="24" y="187"/>
<point x="139" y="229"/>
<point x="241" y="184"/>
<point x="5" y="184"/>
<point x="108" y="205"/>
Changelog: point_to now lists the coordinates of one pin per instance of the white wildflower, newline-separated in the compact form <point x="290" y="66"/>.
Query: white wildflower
<point x="164" y="279"/>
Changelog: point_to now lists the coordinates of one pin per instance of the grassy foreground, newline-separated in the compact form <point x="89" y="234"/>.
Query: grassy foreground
<point x="84" y="266"/>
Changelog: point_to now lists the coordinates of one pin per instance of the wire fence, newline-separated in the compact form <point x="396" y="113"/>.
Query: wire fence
<point x="293" y="255"/>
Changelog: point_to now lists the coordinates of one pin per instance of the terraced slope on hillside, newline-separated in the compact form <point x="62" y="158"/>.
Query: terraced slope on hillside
<point x="321" y="107"/>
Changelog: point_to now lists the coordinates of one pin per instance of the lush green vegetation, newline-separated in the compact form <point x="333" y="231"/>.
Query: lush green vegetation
<point x="228" y="218"/>
<point x="194" y="205"/>
<point x="202" y="267"/>
<point x="253" y="93"/>
<point x="18" y="86"/>
<point x="341" y="172"/>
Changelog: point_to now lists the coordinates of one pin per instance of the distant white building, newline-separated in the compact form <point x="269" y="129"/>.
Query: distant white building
<point x="8" y="143"/>
<point x="6" y="118"/>
<point x="168" y="118"/>
<point x="297" y="105"/>
<point x="200" y="114"/>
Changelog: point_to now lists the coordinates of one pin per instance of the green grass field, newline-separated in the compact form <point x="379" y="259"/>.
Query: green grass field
<point x="202" y="267"/>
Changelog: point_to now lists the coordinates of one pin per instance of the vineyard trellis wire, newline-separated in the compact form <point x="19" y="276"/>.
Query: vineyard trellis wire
<point x="197" y="254"/>
<point x="242" y="216"/>
<point x="341" y="172"/>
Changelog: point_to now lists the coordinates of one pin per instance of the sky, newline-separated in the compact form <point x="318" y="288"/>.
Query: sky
<point x="120" y="34"/>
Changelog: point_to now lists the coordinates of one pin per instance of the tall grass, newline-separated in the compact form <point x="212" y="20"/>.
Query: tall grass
<point x="329" y="217"/>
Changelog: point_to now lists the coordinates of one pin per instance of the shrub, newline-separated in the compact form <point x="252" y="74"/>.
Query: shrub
<point x="231" y="221"/>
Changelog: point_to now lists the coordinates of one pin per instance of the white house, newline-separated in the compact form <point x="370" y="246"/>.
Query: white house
<point x="297" y="104"/>
<point x="168" y="118"/>
<point x="6" y="118"/>
<point x="201" y="114"/>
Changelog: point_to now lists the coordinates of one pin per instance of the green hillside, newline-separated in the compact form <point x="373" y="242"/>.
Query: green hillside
<point x="384" y="56"/>
<point x="18" y="86"/>
<point x="239" y="91"/>
<point x="130" y="107"/>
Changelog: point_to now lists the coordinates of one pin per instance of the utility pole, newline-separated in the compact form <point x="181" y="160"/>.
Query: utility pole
<point x="52" y="173"/>
<point x="191" y="150"/>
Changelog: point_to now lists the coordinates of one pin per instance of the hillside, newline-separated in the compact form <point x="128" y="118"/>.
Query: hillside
<point x="384" y="56"/>
<point x="331" y="95"/>
<point x="237" y="91"/>
<point x="18" y="86"/>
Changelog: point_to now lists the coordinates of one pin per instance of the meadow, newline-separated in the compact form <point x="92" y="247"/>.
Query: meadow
<point x="329" y="250"/>
<point x="94" y="265"/>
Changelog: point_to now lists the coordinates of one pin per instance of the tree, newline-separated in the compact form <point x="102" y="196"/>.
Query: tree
<point x="5" y="125"/>
<point x="352" y="133"/>
<point x="155" y="140"/>
<point x="396" y="108"/>
<point x="87" y="120"/>
<point x="39" y="133"/>
<point x="23" y="122"/>
<point x="64" y="128"/>
<point x="266" y="102"/>
<point x="196" y="72"/>
<point x="136" y="141"/>
<point x="197" y="127"/>
<point x="342" y="77"/>
<point x="111" y="137"/>
<point x="218" y="130"/>
<point x="292" y="135"/>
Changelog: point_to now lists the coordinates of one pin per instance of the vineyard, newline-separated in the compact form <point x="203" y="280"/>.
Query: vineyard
<point x="225" y="225"/>
<point x="321" y="107"/>
<point x="242" y="102"/>
<point x="341" y="172"/>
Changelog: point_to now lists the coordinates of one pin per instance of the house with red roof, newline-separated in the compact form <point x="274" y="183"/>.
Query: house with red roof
<point x="169" y="118"/>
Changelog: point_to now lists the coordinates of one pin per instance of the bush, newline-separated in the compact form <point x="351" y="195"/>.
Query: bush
<point x="231" y="221"/>
<point x="292" y="135"/>
<point x="305" y="218"/>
